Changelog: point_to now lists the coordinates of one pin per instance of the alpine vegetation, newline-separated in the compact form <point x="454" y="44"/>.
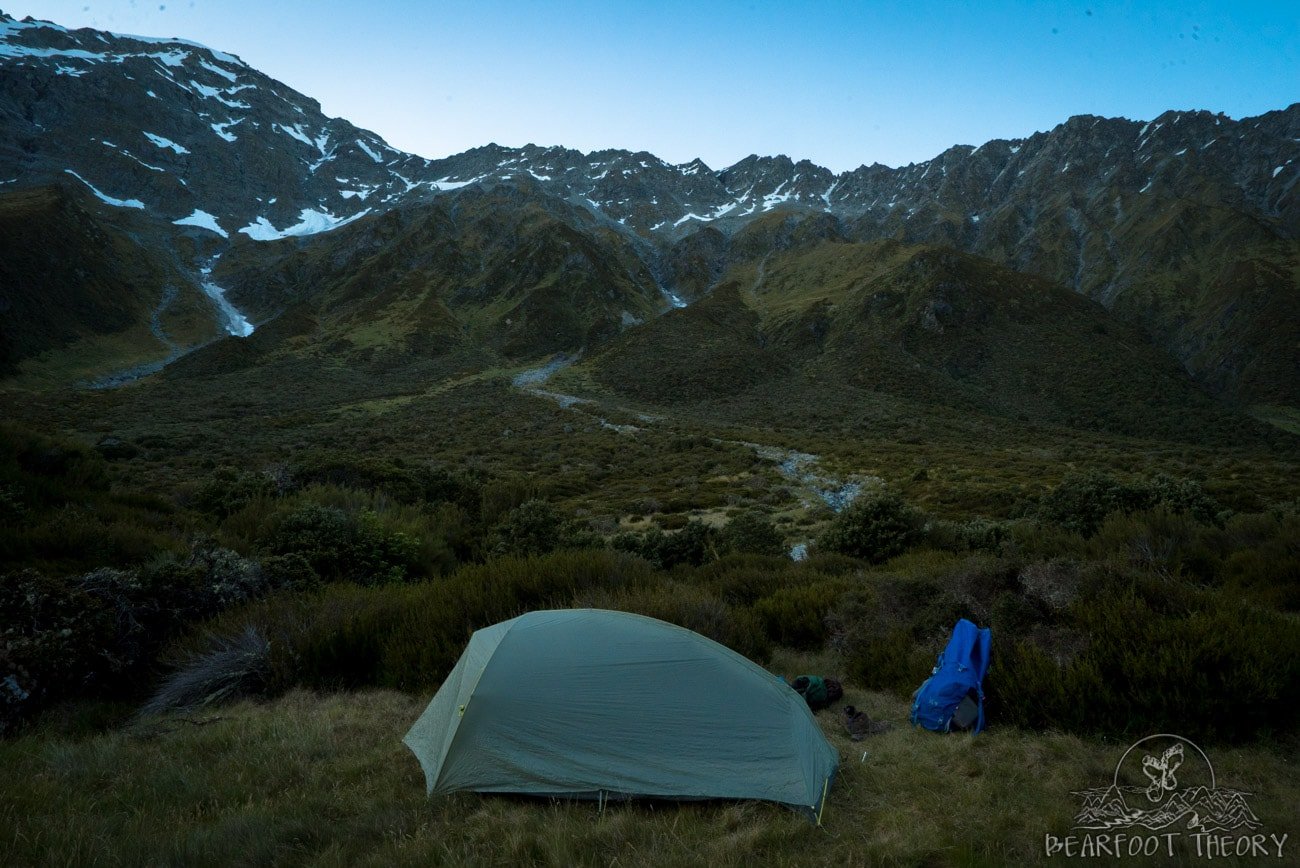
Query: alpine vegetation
<point x="534" y="505"/>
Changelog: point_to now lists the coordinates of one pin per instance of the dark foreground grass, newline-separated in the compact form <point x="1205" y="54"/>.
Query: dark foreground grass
<point x="313" y="779"/>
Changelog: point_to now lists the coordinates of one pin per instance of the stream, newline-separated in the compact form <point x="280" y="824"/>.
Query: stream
<point x="800" y="468"/>
<point x="229" y="317"/>
<point x="233" y="321"/>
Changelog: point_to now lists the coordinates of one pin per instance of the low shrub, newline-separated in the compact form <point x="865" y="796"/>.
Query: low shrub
<point x="795" y="617"/>
<point x="409" y="636"/>
<point x="875" y="527"/>
<point x="1082" y="502"/>
<point x="228" y="490"/>
<point x="693" y="545"/>
<point x="96" y="633"/>
<point x="976" y="535"/>
<point x="349" y="547"/>
<point x="752" y="533"/>
<point x="63" y="634"/>
<point x="422" y="483"/>
<point x="535" y="527"/>
<point x="1209" y="668"/>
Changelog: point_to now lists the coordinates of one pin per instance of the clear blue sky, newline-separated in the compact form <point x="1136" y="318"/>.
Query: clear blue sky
<point x="841" y="83"/>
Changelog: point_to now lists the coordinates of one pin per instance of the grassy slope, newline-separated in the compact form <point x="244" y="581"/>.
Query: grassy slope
<point x="325" y="780"/>
<point x="505" y="270"/>
<point x="1231" y="313"/>
<point x="84" y="306"/>
<point x="880" y="332"/>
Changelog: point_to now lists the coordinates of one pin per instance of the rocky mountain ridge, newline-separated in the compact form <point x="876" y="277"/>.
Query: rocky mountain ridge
<point x="1187" y="225"/>
<point x="169" y="124"/>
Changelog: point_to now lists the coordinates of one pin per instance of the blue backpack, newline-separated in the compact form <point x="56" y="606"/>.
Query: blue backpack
<point x="953" y="696"/>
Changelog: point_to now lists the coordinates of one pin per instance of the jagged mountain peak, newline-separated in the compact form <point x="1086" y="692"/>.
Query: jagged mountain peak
<point x="194" y="134"/>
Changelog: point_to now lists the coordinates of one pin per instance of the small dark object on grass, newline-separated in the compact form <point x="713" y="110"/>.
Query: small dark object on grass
<point x="860" y="725"/>
<point x="818" y="692"/>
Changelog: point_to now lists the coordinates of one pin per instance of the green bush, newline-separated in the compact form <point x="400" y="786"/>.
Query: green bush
<point x="795" y="617"/>
<point x="229" y="491"/>
<point x="976" y="535"/>
<point x="424" y="483"/>
<point x="1082" y="502"/>
<point x="343" y="547"/>
<point x="1207" y="666"/>
<point x="537" y="528"/>
<point x="499" y="496"/>
<point x="875" y="527"/>
<point x="752" y="533"/>
<point x="409" y="636"/>
<point x="94" y="634"/>
<point x="693" y="545"/>
<point x="61" y="634"/>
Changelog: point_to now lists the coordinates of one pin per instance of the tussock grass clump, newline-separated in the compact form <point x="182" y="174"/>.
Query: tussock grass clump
<point x="231" y="667"/>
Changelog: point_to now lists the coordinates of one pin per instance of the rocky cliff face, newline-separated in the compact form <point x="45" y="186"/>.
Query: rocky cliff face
<point x="191" y="135"/>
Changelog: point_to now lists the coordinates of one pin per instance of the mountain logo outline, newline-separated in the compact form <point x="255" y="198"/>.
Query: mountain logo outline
<point x="1164" y="781"/>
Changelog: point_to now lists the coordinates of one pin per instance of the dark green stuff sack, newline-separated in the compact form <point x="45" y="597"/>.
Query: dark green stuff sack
<point x="818" y="692"/>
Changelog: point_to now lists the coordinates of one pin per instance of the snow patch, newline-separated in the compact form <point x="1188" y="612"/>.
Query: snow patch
<point x="203" y="220"/>
<point x="294" y="132"/>
<point x="166" y="143"/>
<point x="826" y="197"/>
<point x="673" y="299"/>
<point x="131" y="156"/>
<point x="369" y="153"/>
<point x="220" y="129"/>
<point x="119" y="203"/>
<point x="224" y="73"/>
<point x="171" y="58"/>
<point x="172" y="40"/>
<point x="1278" y="171"/>
<point x="10" y="50"/>
<point x="776" y="197"/>
<point x="214" y="93"/>
<point x="310" y="222"/>
<point x="448" y="184"/>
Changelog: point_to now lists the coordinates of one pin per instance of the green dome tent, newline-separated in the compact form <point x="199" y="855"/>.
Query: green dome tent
<point x="589" y="703"/>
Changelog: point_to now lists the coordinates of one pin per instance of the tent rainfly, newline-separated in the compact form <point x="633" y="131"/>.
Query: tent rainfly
<point x="588" y="703"/>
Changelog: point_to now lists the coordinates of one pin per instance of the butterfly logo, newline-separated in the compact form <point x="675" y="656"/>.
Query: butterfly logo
<point x="1161" y="772"/>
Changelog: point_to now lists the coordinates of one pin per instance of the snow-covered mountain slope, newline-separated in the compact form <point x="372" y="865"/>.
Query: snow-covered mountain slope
<point x="190" y="134"/>
<point x="200" y="137"/>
